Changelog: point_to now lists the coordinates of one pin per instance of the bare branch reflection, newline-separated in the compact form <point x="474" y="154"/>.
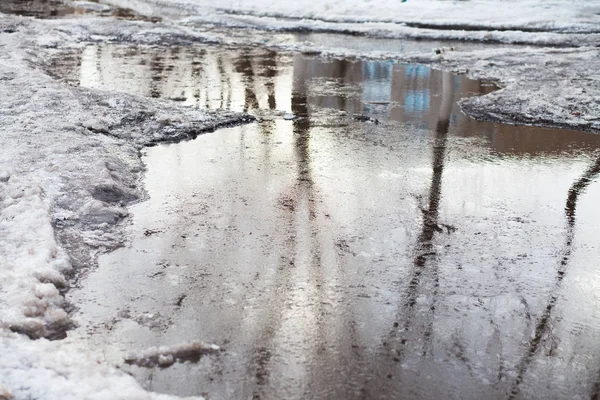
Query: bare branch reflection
<point x="543" y="324"/>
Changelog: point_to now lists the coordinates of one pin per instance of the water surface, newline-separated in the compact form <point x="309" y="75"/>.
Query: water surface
<point x="363" y="239"/>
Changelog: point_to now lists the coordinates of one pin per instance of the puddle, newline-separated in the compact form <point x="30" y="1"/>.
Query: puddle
<point x="424" y="256"/>
<point x="55" y="9"/>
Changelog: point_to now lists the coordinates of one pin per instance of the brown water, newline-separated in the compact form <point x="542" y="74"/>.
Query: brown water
<point x="378" y="245"/>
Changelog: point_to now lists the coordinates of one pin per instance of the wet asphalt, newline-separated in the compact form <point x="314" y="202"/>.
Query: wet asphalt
<point x="363" y="239"/>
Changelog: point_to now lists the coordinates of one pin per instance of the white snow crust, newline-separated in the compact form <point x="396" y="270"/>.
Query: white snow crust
<point x="33" y="265"/>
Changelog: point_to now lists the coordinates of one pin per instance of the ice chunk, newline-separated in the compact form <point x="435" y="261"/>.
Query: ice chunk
<point x="166" y="355"/>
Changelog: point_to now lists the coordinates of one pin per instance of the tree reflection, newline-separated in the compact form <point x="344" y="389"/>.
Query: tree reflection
<point x="243" y="66"/>
<point x="543" y="325"/>
<point x="425" y="253"/>
<point x="268" y="64"/>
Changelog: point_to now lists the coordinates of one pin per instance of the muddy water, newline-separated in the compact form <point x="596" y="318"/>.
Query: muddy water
<point x="364" y="239"/>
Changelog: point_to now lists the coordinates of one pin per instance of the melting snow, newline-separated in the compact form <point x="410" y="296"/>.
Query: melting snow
<point x="70" y="164"/>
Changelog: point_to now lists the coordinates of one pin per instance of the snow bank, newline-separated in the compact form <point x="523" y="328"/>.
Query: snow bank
<point x="400" y="31"/>
<point x="557" y="88"/>
<point x="33" y="265"/>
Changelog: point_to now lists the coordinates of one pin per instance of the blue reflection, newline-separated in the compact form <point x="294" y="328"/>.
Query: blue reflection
<point x="417" y="71"/>
<point x="377" y="80"/>
<point x="417" y="101"/>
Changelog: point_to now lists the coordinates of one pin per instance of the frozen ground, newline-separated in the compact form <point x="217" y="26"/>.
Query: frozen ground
<point x="70" y="163"/>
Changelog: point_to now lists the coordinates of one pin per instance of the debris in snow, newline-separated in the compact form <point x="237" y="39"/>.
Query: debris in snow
<point x="288" y="116"/>
<point x="4" y="176"/>
<point x="166" y="356"/>
<point x="97" y="128"/>
<point x="443" y="50"/>
<point x="5" y="394"/>
<point x="150" y="232"/>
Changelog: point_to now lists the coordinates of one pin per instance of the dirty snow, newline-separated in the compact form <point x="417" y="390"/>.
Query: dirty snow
<point x="164" y="356"/>
<point x="558" y="87"/>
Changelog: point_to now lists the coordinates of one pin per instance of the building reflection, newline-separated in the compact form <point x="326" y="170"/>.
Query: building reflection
<point x="253" y="80"/>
